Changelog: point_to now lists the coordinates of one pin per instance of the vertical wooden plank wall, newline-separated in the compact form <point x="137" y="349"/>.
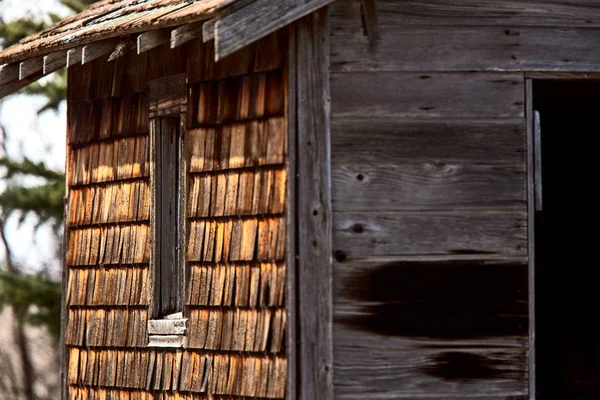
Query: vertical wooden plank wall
<point x="429" y="188"/>
<point x="236" y="224"/>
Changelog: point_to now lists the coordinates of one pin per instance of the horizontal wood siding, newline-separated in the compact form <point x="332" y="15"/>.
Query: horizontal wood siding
<point x="235" y="222"/>
<point x="429" y="191"/>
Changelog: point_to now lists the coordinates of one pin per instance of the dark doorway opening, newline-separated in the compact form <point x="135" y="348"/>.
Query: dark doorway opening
<point x="567" y="295"/>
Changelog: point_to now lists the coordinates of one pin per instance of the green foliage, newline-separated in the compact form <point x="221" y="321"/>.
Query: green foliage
<point x="35" y="299"/>
<point x="45" y="200"/>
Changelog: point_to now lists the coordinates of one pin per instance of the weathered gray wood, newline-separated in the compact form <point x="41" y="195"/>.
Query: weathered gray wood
<point x="9" y="73"/>
<point x="531" y="234"/>
<point x="174" y="341"/>
<point x="167" y="95"/>
<point x="94" y="50"/>
<point x="208" y="30"/>
<point x="429" y="186"/>
<point x="373" y="140"/>
<point x="167" y="326"/>
<point x="382" y="367"/>
<point x="16" y="85"/>
<point x="393" y="233"/>
<point x="74" y="56"/>
<point x="290" y="218"/>
<point x="314" y="218"/>
<point x="400" y="94"/>
<point x="257" y="20"/>
<point x="151" y="39"/>
<point x="168" y="273"/>
<point x="54" y="61"/>
<point x="369" y="17"/>
<point x="569" y="13"/>
<point x="30" y="66"/>
<point x="466" y="48"/>
<point x="185" y="33"/>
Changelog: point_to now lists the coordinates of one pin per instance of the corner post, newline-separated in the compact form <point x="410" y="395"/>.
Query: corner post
<point x="314" y="218"/>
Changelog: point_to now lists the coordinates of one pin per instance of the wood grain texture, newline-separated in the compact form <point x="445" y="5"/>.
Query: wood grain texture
<point x="381" y="367"/>
<point x="398" y="94"/>
<point x="386" y="234"/>
<point x="466" y="48"/>
<point x="570" y="13"/>
<point x="429" y="186"/>
<point x="314" y="209"/>
<point x="374" y="140"/>
<point x="257" y="20"/>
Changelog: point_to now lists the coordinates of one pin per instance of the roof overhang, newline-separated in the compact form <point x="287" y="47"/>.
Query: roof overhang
<point x="111" y="28"/>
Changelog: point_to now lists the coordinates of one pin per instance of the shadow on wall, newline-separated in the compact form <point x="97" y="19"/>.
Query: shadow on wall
<point x="444" y="301"/>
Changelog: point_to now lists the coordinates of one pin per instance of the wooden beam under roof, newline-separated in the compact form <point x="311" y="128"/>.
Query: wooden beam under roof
<point x="97" y="49"/>
<point x="30" y="66"/>
<point x="9" y="73"/>
<point x="151" y="39"/>
<point x="185" y="33"/>
<point x="54" y="61"/>
<point x="257" y="20"/>
<point x="74" y="56"/>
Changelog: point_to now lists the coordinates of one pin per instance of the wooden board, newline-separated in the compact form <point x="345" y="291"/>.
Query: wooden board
<point x="392" y="233"/>
<point x="371" y="140"/>
<point x="398" y="94"/>
<point x="380" y="367"/>
<point x="466" y="48"/>
<point x="313" y="206"/>
<point x="427" y="186"/>
<point x="569" y="13"/>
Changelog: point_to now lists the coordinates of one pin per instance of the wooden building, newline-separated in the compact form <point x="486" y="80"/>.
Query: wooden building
<point x="322" y="199"/>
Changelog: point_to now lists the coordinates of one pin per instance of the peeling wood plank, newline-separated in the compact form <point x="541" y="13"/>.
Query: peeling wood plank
<point x="54" y="61"/>
<point x="151" y="39"/>
<point x="9" y="73"/>
<point x="257" y="20"/>
<point x="376" y="94"/>
<point x="314" y="208"/>
<point x="94" y="50"/>
<point x="185" y="33"/>
<point x="74" y="56"/>
<point x="363" y="233"/>
<point x="30" y="67"/>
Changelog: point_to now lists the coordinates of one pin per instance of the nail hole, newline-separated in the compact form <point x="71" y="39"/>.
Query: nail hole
<point x="360" y="177"/>
<point x="358" y="228"/>
<point x="315" y="212"/>
<point x="340" y="256"/>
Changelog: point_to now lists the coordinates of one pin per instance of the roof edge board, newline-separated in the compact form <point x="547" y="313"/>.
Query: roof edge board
<point x="257" y="20"/>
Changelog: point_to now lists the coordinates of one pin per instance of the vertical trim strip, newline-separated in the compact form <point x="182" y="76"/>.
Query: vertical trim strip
<point x="292" y="272"/>
<point x="315" y="367"/>
<point x="531" y="231"/>
<point x="537" y="152"/>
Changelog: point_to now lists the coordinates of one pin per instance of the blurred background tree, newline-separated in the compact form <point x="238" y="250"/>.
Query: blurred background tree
<point x="31" y="189"/>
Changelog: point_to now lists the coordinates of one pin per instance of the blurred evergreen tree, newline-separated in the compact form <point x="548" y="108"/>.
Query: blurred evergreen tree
<point x="34" y="298"/>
